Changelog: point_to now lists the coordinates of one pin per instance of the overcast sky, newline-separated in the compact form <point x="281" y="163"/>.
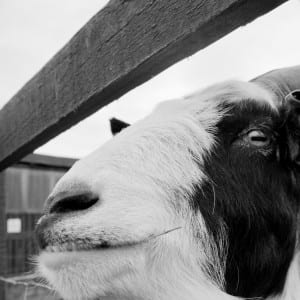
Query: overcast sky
<point x="32" y="31"/>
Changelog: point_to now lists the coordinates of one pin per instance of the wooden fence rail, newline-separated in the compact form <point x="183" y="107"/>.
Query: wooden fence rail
<point x="121" y="47"/>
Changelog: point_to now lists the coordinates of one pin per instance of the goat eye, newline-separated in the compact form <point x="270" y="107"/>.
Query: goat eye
<point x="257" y="138"/>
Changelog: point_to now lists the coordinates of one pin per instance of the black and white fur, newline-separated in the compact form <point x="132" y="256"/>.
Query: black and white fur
<point x="199" y="200"/>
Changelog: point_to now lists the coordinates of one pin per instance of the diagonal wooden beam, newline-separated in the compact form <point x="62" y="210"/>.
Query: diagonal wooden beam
<point x="122" y="46"/>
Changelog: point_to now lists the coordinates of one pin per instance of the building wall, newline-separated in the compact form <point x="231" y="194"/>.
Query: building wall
<point x="25" y="187"/>
<point x="28" y="188"/>
<point x="2" y="235"/>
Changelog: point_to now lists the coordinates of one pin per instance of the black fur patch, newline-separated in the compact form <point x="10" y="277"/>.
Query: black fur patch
<point x="252" y="191"/>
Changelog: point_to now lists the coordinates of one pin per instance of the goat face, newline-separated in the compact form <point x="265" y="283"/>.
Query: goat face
<point x="196" y="201"/>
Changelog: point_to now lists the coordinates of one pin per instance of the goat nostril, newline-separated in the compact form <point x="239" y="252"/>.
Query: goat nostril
<point x="73" y="203"/>
<point x="296" y="94"/>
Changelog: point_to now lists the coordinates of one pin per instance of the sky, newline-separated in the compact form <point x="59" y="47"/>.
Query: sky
<point x="32" y="31"/>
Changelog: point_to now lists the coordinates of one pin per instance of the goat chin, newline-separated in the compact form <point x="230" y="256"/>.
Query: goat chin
<point x="95" y="276"/>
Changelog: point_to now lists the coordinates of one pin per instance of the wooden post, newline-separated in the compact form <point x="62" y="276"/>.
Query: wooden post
<point x="2" y="235"/>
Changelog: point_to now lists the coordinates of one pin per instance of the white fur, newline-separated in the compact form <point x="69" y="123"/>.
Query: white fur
<point x="234" y="91"/>
<point x="143" y="178"/>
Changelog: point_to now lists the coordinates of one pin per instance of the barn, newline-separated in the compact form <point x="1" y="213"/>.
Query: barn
<point x="26" y="186"/>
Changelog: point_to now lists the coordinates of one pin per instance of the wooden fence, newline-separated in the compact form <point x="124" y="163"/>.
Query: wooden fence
<point x="122" y="46"/>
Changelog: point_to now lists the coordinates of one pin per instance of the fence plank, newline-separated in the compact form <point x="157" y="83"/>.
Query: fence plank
<point x="121" y="47"/>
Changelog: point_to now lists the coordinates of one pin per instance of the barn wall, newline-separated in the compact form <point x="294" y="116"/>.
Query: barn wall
<point x="2" y="235"/>
<point x="26" y="187"/>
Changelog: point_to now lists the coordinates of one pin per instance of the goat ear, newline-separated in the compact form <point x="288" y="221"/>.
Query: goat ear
<point x="116" y="125"/>
<point x="293" y="126"/>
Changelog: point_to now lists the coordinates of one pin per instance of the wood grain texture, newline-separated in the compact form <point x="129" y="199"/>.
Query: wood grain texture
<point x="122" y="46"/>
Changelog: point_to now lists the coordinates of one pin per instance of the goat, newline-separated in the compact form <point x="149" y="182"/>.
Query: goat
<point x="199" y="200"/>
